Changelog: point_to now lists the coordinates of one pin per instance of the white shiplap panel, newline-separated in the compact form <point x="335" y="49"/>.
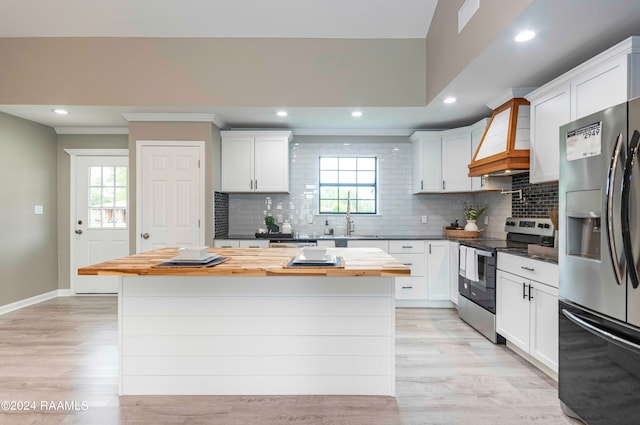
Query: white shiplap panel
<point x="260" y="385"/>
<point x="255" y="306"/>
<point x="236" y="285"/>
<point x="495" y="140"/>
<point x="523" y="128"/>
<point x="256" y="325"/>
<point x="254" y="365"/>
<point x="256" y="345"/>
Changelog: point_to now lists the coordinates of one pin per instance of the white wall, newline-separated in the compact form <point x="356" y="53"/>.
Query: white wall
<point x="399" y="211"/>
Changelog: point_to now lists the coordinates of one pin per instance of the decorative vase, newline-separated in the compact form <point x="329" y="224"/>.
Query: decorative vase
<point x="471" y="226"/>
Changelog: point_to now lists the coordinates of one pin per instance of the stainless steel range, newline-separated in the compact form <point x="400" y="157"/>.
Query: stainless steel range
<point x="477" y="275"/>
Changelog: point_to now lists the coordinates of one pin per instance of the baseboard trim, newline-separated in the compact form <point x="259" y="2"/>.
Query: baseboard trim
<point x="537" y="363"/>
<point x="424" y="304"/>
<point x="7" y="308"/>
<point x="65" y="293"/>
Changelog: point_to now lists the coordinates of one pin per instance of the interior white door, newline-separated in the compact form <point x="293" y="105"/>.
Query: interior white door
<point x="101" y="225"/>
<point x="171" y="187"/>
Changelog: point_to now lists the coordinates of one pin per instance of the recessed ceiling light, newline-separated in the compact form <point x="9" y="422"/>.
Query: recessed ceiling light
<point x="60" y="111"/>
<point x="356" y="114"/>
<point x="346" y="144"/>
<point x="396" y="149"/>
<point x="449" y="100"/>
<point x="525" y="36"/>
<point x="282" y="113"/>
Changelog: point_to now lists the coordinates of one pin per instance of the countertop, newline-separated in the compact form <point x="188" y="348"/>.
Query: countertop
<point x="307" y="237"/>
<point x="525" y="253"/>
<point x="369" y="262"/>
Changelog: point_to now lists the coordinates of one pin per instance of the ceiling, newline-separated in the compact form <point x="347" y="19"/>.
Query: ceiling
<point x="568" y="33"/>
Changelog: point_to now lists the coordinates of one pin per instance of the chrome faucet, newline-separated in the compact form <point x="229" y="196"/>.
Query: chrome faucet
<point x="350" y="224"/>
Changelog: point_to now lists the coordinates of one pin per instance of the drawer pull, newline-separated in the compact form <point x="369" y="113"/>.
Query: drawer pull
<point x="226" y="246"/>
<point x="407" y="287"/>
<point x="529" y="269"/>
<point x="254" y="246"/>
<point x="407" y="246"/>
<point x="408" y="264"/>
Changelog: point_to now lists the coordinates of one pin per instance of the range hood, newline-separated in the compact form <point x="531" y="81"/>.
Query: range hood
<point x="504" y="148"/>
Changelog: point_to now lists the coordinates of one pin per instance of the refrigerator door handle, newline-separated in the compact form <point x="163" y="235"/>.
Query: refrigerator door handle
<point x="601" y="333"/>
<point x="613" y="250"/>
<point x="626" y="189"/>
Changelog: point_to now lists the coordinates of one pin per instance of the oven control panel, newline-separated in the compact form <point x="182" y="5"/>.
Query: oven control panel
<point x="530" y="226"/>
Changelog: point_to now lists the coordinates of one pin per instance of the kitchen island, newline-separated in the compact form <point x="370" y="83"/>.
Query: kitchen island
<point x="252" y="326"/>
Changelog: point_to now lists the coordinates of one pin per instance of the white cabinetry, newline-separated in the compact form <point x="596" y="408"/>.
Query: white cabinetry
<point x="527" y="310"/>
<point x="441" y="160"/>
<point x="427" y="161"/>
<point x="411" y="254"/>
<point x="367" y="243"/>
<point x="606" y="80"/>
<point x="241" y="243"/>
<point x="454" y="267"/>
<point x="456" y="156"/>
<point x="255" y="161"/>
<point x="438" y="281"/>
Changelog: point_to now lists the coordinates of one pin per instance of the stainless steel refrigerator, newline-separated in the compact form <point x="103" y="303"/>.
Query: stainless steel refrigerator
<point x="599" y="259"/>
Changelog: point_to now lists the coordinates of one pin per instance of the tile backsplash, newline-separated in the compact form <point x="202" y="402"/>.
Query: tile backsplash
<point x="399" y="211"/>
<point x="537" y="199"/>
<point x="221" y="214"/>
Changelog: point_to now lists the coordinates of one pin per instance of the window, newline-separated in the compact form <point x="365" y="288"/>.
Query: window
<point x="107" y="197"/>
<point x="341" y="177"/>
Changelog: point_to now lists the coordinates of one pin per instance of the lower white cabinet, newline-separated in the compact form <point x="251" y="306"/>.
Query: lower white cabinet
<point x="527" y="314"/>
<point x="241" y="243"/>
<point x="367" y="243"/>
<point x="438" y="281"/>
<point x="454" y="267"/>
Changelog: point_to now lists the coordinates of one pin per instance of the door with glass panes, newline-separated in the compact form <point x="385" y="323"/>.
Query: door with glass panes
<point x="101" y="224"/>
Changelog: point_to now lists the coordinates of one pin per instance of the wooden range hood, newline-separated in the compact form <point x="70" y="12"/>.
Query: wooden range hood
<point x="504" y="148"/>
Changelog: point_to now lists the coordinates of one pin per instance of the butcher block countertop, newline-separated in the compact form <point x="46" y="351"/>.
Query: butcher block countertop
<point x="369" y="262"/>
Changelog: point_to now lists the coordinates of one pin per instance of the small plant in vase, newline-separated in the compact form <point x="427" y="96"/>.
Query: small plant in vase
<point x="272" y="227"/>
<point x="472" y="213"/>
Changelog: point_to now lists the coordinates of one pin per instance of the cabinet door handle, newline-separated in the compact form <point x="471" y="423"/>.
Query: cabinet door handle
<point x="524" y="290"/>
<point x="251" y="184"/>
<point x="421" y="184"/>
<point x="429" y="248"/>
<point x="444" y="185"/>
<point x="407" y="287"/>
<point x="256" y="184"/>
<point x="530" y="297"/>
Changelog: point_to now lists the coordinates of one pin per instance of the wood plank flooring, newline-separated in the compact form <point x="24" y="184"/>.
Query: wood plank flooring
<point x="65" y="350"/>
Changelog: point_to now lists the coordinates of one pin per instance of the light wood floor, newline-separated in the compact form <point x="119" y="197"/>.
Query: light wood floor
<point x="65" y="350"/>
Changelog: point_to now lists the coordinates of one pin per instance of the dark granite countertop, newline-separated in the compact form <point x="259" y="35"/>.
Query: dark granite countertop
<point x="308" y="237"/>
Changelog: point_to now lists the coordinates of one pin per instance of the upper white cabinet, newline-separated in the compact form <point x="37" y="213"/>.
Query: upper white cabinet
<point x="606" y="80"/>
<point x="427" y="161"/>
<point x="456" y="156"/>
<point x="441" y="159"/>
<point x="255" y="161"/>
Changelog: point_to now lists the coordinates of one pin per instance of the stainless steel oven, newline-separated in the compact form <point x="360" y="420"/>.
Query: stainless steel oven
<point x="477" y="300"/>
<point x="483" y="290"/>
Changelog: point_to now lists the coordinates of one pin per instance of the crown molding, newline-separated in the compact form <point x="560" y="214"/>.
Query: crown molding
<point x="509" y="94"/>
<point x="173" y="117"/>
<point x="91" y="130"/>
<point x="353" y="132"/>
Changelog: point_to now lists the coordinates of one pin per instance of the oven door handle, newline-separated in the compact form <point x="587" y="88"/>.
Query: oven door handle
<point x="601" y="333"/>
<point x="484" y="253"/>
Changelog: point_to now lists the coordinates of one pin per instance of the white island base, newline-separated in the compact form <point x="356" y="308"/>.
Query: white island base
<point x="274" y="335"/>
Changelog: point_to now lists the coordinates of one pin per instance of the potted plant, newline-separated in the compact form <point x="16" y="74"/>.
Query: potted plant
<point x="272" y="227"/>
<point x="472" y="213"/>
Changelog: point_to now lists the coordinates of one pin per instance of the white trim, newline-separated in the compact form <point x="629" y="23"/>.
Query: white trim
<point x="172" y="116"/>
<point x="30" y="301"/>
<point x="91" y="130"/>
<point x="509" y="94"/>
<point x="74" y="154"/>
<point x="97" y="152"/>
<point x="627" y="46"/>
<point x="178" y="143"/>
<point x="257" y="133"/>
<point x="352" y="132"/>
<point x="65" y="293"/>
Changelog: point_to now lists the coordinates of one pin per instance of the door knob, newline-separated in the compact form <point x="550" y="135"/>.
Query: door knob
<point x="145" y="235"/>
<point x="79" y="232"/>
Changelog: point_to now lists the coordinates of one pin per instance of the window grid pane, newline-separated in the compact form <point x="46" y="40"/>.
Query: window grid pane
<point x="343" y="177"/>
<point x="107" y="201"/>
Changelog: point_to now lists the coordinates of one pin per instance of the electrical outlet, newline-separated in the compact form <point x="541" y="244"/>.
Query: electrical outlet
<point x="279" y="218"/>
<point x="486" y="220"/>
<point x="38" y="209"/>
<point x="424" y="219"/>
